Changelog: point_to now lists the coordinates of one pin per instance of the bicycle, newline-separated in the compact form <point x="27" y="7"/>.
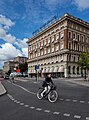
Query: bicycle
<point x="52" y="94"/>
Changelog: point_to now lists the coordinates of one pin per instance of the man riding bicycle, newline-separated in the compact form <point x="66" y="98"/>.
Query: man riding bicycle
<point x="46" y="84"/>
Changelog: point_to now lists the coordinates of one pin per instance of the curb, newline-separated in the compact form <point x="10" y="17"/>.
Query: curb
<point x="2" y="89"/>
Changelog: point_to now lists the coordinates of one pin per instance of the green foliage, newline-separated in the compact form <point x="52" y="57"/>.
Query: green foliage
<point x="23" y="67"/>
<point x="84" y="60"/>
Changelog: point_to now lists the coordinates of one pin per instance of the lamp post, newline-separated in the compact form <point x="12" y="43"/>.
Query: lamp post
<point x="37" y="63"/>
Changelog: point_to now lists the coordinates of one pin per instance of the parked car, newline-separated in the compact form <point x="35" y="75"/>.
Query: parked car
<point x="6" y="76"/>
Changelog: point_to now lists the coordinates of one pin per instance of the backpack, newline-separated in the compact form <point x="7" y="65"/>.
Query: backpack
<point x="44" y="84"/>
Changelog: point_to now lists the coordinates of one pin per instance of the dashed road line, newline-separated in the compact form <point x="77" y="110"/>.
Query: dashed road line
<point x="26" y="105"/>
<point x="66" y="114"/>
<point x="56" y="113"/>
<point x="46" y="111"/>
<point x="39" y="109"/>
<point x="32" y="107"/>
<point x="77" y="116"/>
<point x="87" y="118"/>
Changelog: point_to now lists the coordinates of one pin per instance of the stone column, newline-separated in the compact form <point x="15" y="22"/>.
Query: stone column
<point x="66" y="71"/>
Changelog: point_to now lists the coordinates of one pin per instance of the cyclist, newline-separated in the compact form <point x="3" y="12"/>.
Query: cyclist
<point x="46" y="84"/>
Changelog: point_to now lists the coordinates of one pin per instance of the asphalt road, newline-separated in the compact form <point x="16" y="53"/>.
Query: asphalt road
<point x="21" y="103"/>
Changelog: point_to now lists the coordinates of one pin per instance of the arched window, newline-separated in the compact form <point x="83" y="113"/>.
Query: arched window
<point x="69" y="69"/>
<point x="77" y="70"/>
<point x="73" y="69"/>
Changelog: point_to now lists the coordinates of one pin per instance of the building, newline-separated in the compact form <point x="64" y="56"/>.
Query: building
<point x="11" y="65"/>
<point x="57" y="48"/>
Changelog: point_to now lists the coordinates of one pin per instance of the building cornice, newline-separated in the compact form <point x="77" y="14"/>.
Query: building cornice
<point x="66" y="16"/>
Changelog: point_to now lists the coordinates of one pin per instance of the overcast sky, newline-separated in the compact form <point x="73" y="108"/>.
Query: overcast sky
<point x="20" y="18"/>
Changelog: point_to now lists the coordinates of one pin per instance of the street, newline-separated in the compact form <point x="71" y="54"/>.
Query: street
<point x="21" y="102"/>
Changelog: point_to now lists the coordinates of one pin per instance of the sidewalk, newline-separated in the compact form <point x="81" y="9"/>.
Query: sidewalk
<point x="79" y="81"/>
<point x="2" y="89"/>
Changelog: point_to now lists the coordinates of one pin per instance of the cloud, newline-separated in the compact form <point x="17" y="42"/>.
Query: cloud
<point x="21" y="43"/>
<point x="25" y="52"/>
<point x="6" y="37"/>
<point x="8" y="51"/>
<point x="82" y="4"/>
<point x="6" y="22"/>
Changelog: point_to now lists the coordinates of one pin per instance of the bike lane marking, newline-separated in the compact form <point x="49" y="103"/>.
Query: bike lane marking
<point x="45" y="110"/>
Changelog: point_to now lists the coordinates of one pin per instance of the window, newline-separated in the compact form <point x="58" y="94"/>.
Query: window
<point x="53" y="49"/>
<point x="73" y="69"/>
<point x="41" y="43"/>
<point x="77" y="70"/>
<point x="57" y="36"/>
<point x="82" y="38"/>
<point x="69" y="70"/>
<point x="61" y="58"/>
<point x="62" y="35"/>
<point x="45" y="42"/>
<point x="78" y="37"/>
<point x="69" y="46"/>
<point x="74" y="35"/>
<point x="69" y="34"/>
<point x="49" y="50"/>
<point x="52" y="38"/>
<point x="62" y="46"/>
<point x="57" y="47"/>
<point x="49" y="40"/>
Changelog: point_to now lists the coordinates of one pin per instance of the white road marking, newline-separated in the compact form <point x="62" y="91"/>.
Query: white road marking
<point x="26" y="105"/>
<point x="67" y="100"/>
<point x="66" y="114"/>
<point x="32" y="107"/>
<point x="18" y="102"/>
<point x="21" y="103"/>
<point x="87" y="118"/>
<point x="24" y="89"/>
<point x="47" y="111"/>
<point x="74" y="100"/>
<point x="39" y="109"/>
<point x="82" y="101"/>
<point x="56" y="113"/>
<point x="61" y="99"/>
<point x="77" y="116"/>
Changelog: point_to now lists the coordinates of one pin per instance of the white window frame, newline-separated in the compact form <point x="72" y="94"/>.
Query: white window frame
<point x="52" y="48"/>
<point x="52" y="38"/>
<point x="49" y="50"/>
<point x="61" y="46"/>
<point x="57" y="47"/>
<point x="62" y="35"/>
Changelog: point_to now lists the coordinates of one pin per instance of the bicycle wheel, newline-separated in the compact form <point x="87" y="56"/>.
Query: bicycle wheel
<point x="52" y="96"/>
<point x="39" y="94"/>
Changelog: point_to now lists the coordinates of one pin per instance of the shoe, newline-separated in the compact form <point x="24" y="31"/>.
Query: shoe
<point x="41" y="95"/>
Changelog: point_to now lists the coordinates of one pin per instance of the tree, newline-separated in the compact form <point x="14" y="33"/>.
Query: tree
<point x="84" y="62"/>
<point x="23" y="67"/>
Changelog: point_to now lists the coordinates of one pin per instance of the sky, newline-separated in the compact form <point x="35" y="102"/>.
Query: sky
<point x="20" y="18"/>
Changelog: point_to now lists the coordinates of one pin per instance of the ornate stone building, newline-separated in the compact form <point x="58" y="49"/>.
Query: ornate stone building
<point x="57" y="48"/>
